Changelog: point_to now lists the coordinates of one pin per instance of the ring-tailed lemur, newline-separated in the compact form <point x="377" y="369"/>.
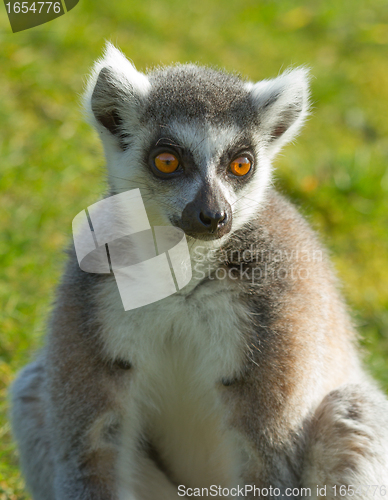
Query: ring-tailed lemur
<point x="248" y="376"/>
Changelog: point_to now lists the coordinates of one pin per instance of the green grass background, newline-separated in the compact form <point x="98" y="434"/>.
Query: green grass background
<point x="51" y="163"/>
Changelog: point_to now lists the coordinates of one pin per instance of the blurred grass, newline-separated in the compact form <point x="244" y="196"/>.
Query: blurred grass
<point x="51" y="162"/>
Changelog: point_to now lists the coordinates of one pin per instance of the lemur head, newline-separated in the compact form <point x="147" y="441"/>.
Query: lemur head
<point x="196" y="141"/>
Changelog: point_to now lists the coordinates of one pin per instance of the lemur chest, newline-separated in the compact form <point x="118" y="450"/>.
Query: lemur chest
<point x="181" y="349"/>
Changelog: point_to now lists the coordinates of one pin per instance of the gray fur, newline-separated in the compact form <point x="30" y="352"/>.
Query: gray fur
<point x="210" y="95"/>
<point x="251" y="373"/>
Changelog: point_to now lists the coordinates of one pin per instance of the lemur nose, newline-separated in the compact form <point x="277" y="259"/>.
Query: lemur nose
<point x="213" y="220"/>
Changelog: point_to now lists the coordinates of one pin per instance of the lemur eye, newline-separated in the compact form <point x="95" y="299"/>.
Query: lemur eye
<point x="166" y="163"/>
<point x="240" y="166"/>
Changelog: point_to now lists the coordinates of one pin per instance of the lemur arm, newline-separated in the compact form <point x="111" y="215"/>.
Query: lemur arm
<point x="84" y="409"/>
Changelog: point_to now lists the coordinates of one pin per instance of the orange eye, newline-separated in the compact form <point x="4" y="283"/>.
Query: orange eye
<point x="166" y="163"/>
<point x="240" y="166"/>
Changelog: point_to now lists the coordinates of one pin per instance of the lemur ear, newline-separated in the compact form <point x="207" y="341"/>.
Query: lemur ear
<point x="113" y="92"/>
<point x="282" y="105"/>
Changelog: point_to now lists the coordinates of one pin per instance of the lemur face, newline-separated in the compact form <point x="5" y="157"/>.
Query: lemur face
<point x="196" y="141"/>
